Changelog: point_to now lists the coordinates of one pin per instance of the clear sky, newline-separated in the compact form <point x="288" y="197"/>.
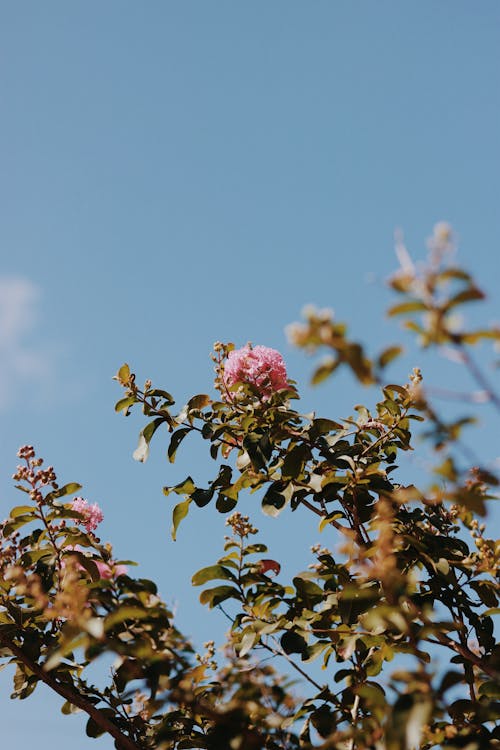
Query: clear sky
<point x="177" y="172"/>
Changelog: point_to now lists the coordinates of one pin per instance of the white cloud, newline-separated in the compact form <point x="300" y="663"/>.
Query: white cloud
<point x="23" y="365"/>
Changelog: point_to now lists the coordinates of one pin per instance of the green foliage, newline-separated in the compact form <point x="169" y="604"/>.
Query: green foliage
<point x="406" y="583"/>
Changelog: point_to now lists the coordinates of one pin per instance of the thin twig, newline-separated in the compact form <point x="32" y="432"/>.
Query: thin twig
<point x="280" y="652"/>
<point x="479" y="376"/>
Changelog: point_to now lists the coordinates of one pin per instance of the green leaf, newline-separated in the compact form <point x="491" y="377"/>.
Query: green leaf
<point x="324" y="370"/>
<point x="180" y="511"/>
<point x="88" y="563"/>
<point x="17" y="523"/>
<point x="353" y="355"/>
<point x="211" y="573"/>
<point x="398" y="388"/>
<point x="219" y="594"/>
<point x="124" y="405"/>
<point x="453" y="273"/>
<point x="388" y="355"/>
<point x="67" y="646"/>
<point x="159" y="393"/>
<point x="490" y="689"/>
<point x="308" y="590"/>
<point x="187" y="487"/>
<point x="471" y="294"/>
<point x="197" y="742"/>
<point x="176" y="439"/>
<point x="409" y="715"/>
<point x="247" y="642"/>
<point x="126" y="612"/>
<point x="276" y="497"/>
<point x="406" y="307"/>
<point x="373" y="694"/>
<point x="223" y="478"/>
<point x="67" y="489"/>
<point x="225" y="504"/>
<point x="322" y="426"/>
<point x="142" y="451"/>
<point x="486" y="590"/>
<point x="474" y="336"/>
<point x="202" y="497"/>
<point x="258" y="448"/>
<point x="20" y="510"/>
<point x="293" y="643"/>
<point x="256" y="548"/>
<point x="443" y="566"/>
<point x="69" y="708"/>
<point x="450" y="679"/>
<point x="123" y="374"/>
<point x="295" y="460"/>
<point x="196" y="403"/>
<point x="330" y="517"/>
<point x="93" y="729"/>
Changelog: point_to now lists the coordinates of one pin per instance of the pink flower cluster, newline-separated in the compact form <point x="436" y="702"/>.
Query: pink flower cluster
<point x="259" y="366"/>
<point x="106" y="570"/>
<point x="92" y="514"/>
<point x="110" y="571"/>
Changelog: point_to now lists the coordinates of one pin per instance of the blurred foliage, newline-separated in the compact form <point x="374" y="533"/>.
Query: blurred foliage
<point x="412" y="577"/>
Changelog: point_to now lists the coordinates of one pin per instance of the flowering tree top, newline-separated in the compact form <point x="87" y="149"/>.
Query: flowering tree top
<point x="394" y="583"/>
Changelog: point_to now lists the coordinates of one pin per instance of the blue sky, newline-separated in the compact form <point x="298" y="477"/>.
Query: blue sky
<point x="175" y="173"/>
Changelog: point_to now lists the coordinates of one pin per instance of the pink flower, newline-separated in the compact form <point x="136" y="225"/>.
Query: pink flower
<point x="110" y="571"/>
<point x="92" y="514"/>
<point x="259" y="366"/>
<point x="106" y="570"/>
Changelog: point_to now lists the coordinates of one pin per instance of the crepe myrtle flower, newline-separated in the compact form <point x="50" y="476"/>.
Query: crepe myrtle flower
<point x="107" y="570"/>
<point x="111" y="570"/>
<point x="92" y="514"/>
<point x="259" y="366"/>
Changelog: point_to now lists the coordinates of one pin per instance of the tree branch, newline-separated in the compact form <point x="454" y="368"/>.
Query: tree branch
<point x="466" y="653"/>
<point x="65" y="691"/>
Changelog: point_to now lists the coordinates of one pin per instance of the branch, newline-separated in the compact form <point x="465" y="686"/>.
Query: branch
<point x="280" y="652"/>
<point x="65" y="691"/>
<point x="479" y="376"/>
<point x="444" y="640"/>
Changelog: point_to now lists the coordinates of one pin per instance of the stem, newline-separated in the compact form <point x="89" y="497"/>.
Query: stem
<point x="466" y="452"/>
<point x="466" y="653"/>
<point x="318" y="512"/>
<point x="383" y="438"/>
<point x="276" y="651"/>
<point x="479" y="376"/>
<point x="122" y="742"/>
<point x="454" y="395"/>
<point x="280" y="652"/>
<point x="354" y="717"/>
<point x="52" y="540"/>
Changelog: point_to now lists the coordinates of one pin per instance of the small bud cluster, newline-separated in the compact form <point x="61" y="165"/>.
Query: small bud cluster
<point x="26" y="585"/>
<point x="140" y="706"/>
<point x="207" y="659"/>
<point x="71" y="602"/>
<point x="9" y="547"/>
<point x="31" y="473"/>
<point x="441" y="243"/>
<point x="319" y="551"/>
<point x="315" y="331"/>
<point x="240" y="525"/>
<point x="26" y="452"/>
<point x="488" y="551"/>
